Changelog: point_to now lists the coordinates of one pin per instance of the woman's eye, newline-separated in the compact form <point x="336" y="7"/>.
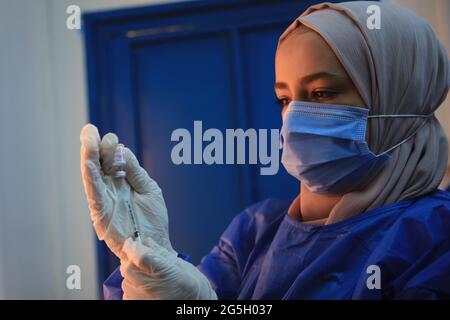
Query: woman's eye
<point x="323" y="94"/>
<point x="282" y="102"/>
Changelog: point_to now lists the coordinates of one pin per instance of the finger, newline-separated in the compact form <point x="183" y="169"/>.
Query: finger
<point x="147" y="255"/>
<point x="137" y="177"/>
<point x="90" y="130"/>
<point x="90" y="140"/>
<point x="89" y="152"/>
<point x="107" y="148"/>
<point x="94" y="187"/>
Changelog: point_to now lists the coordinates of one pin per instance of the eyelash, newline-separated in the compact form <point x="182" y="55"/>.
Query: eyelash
<point x="316" y="96"/>
<point x="330" y="93"/>
<point x="282" y="102"/>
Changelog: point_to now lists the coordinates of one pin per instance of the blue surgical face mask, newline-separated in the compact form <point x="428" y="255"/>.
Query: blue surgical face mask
<point x="324" y="146"/>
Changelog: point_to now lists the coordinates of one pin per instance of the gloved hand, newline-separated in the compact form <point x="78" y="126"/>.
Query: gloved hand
<point x="156" y="274"/>
<point x="107" y="195"/>
<point x="151" y="272"/>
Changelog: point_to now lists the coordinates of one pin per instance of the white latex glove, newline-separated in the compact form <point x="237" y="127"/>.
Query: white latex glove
<point x="108" y="200"/>
<point x="107" y="195"/>
<point x="151" y="272"/>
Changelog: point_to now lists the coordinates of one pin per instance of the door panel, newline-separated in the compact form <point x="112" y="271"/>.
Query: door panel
<point x="181" y="81"/>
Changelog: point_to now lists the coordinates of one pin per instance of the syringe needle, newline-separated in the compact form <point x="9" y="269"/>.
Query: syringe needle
<point x="133" y="221"/>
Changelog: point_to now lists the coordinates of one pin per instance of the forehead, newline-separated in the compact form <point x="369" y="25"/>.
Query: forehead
<point x="303" y="53"/>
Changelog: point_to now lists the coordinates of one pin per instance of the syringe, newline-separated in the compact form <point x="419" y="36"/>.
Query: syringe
<point x="119" y="167"/>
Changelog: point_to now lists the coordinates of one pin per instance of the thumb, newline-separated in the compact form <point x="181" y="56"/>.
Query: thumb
<point x="137" y="177"/>
<point x="148" y="255"/>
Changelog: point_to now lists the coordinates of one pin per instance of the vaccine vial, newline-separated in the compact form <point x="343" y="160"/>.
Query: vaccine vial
<point x="119" y="161"/>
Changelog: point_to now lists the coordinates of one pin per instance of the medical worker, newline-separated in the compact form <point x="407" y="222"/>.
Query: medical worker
<point x="360" y="135"/>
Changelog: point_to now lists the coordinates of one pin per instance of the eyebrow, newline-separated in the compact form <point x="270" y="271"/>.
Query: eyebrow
<point x="313" y="77"/>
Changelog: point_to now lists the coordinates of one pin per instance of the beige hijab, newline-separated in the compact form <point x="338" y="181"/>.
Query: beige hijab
<point x="401" y="68"/>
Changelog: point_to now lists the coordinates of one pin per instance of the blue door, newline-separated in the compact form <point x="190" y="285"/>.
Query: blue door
<point x="155" y="69"/>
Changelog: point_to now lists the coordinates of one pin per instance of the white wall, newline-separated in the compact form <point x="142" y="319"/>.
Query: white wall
<point x="44" y="223"/>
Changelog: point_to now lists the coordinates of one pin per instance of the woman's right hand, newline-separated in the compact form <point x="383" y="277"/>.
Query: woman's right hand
<point x="149" y="265"/>
<point x="109" y="197"/>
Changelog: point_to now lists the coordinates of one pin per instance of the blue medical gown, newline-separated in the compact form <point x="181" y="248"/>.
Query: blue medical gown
<point x="266" y="254"/>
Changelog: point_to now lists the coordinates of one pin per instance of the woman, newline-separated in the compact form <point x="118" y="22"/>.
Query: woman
<point x="359" y="134"/>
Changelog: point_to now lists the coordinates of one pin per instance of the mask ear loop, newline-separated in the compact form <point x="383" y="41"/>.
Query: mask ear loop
<point x="402" y="116"/>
